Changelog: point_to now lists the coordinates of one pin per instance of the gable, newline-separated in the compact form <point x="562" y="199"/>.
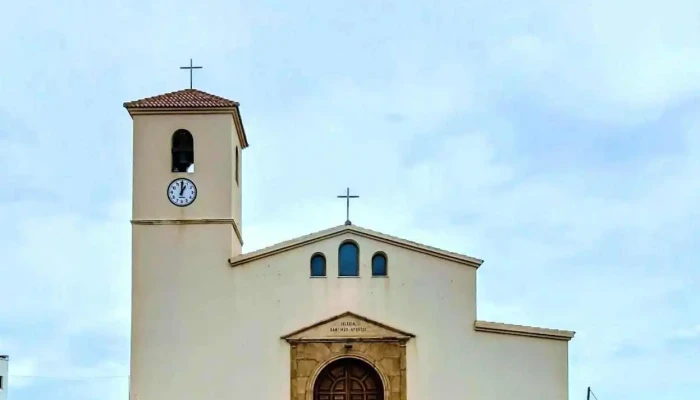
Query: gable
<point x="347" y="326"/>
<point x="362" y="232"/>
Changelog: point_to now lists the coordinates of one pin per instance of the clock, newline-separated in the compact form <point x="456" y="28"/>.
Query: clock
<point x="182" y="192"/>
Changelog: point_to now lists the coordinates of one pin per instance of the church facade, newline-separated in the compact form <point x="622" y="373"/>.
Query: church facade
<point x="346" y="313"/>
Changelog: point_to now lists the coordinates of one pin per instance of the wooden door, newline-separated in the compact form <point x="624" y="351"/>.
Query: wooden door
<point x="348" y="379"/>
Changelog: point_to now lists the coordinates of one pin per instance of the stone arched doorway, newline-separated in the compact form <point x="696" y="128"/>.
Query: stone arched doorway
<point x="348" y="379"/>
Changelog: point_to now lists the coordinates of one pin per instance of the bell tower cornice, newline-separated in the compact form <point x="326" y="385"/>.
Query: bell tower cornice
<point x="199" y="221"/>
<point x="189" y="101"/>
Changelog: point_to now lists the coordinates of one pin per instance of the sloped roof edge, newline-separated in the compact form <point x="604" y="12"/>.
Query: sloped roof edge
<point x="342" y="229"/>
<point x="522" y="330"/>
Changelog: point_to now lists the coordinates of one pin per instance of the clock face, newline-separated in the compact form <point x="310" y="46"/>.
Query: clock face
<point x="182" y="192"/>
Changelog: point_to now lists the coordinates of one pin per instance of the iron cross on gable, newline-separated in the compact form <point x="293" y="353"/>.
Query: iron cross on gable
<point x="191" y="67"/>
<point x="347" y="197"/>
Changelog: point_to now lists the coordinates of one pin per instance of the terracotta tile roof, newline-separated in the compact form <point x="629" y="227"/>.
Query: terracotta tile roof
<point x="187" y="98"/>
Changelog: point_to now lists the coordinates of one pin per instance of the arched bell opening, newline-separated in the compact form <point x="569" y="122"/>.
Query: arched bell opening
<point x="182" y="151"/>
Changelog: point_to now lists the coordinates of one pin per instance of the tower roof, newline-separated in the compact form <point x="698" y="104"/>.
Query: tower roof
<point x="188" y="101"/>
<point x="187" y="98"/>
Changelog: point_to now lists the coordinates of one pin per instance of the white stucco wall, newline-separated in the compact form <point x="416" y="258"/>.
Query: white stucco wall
<point x="182" y="324"/>
<point x="181" y="340"/>
<point x="199" y="324"/>
<point x="429" y="297"/>
<point x="4" y="372"/>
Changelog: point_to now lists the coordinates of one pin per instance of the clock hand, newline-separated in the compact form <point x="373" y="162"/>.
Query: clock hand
<point x="182" y="188"/>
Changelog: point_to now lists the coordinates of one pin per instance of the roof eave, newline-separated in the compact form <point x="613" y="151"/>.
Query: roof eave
<point x="522" y="330"/>
<point x="179" y="110"/>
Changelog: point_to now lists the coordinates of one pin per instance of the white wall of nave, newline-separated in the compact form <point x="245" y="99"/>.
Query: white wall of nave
<point x="429" y="297"/>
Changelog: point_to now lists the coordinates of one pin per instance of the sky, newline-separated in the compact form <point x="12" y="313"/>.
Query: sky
<point x="558" y="141"/>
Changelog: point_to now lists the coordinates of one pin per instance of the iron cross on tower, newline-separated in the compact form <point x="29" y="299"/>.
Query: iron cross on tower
<point x="191" y="67"/>
<point x="347" y="197"/>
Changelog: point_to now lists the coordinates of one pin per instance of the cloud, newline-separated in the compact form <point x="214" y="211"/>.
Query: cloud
<point x="68" y="278"/>
<point x="688" y="333"/>
<point x="621" y="62"/>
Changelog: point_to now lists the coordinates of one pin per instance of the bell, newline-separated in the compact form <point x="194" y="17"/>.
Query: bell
<point x="182" y="162"/>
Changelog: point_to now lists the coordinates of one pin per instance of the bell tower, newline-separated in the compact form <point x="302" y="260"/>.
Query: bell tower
<point x="186" y="224"/>
<point x="193" y="135"/>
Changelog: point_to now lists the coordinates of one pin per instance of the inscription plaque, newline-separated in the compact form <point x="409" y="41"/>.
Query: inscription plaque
<point x="347" y="326"/>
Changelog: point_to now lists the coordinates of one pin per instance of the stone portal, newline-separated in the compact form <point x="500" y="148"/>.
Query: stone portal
<point x="349" y="356"/>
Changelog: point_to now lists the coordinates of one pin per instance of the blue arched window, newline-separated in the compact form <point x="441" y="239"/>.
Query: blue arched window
<point x="318" y="265"/>
<point x="348" y="259"/>
<point x="379" y="264"/>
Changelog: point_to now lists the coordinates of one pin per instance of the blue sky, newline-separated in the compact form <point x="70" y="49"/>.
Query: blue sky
<point x="559" y="141"/>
